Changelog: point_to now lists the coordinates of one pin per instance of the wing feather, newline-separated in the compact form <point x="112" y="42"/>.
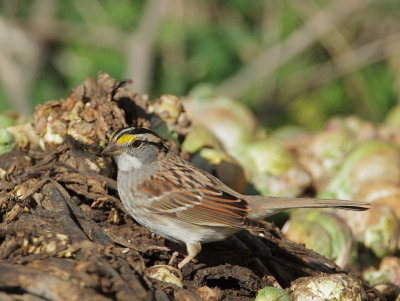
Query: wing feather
<point x="201" y="205"/>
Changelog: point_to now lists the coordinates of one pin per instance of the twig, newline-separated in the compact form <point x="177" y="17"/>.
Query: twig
<point x="316" y="76"/>
<point x="100" y="36"/>
<point x="265" y="64"/>
<point x="139" y="47"/>
<point x="16" y="75"/>
<point x="335" y="43"/>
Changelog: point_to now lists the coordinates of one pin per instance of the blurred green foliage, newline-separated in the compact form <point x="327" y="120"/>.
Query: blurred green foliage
<point x="209" y="41"/>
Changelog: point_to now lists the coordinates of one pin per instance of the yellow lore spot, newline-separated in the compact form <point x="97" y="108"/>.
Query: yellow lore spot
<point x="126" y="139"/>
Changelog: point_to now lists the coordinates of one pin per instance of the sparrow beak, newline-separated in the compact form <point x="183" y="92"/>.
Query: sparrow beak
<point x="112" y="149"/>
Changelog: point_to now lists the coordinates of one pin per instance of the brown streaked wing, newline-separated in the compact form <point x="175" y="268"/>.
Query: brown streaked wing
<point x="202" y="206"/>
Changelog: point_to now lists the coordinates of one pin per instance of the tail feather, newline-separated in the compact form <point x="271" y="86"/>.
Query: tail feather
<point x="262" y="206"/>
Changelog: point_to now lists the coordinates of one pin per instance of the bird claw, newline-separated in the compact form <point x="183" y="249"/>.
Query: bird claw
<point x="173" y="258"/>
<point x="185" y="261"/>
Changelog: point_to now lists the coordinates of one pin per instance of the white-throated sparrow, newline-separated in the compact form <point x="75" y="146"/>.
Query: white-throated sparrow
<point x="182" y="203"/>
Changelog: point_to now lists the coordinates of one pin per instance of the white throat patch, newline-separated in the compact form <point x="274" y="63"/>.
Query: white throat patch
<point x="127" y="162"/>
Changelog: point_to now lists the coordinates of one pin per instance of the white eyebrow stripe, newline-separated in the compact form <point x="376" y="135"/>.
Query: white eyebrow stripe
<point x="122" y="133"/>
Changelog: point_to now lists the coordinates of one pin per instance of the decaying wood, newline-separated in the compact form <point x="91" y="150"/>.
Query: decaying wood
<point x="65" y="236"/>
<point x="44" y="285"/>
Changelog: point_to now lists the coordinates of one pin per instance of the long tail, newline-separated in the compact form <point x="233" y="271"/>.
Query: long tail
<point x="263" y="206"/>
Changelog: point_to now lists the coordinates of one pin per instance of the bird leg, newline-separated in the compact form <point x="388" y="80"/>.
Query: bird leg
<point x="193" y="249"/>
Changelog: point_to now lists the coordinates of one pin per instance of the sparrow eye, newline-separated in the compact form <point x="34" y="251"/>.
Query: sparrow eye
<point x="137" y="144"/>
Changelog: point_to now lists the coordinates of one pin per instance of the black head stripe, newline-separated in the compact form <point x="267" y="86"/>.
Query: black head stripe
<point x="130" y="131"/>
<point x="116" y="133"/>
<point x="140" y="131"/>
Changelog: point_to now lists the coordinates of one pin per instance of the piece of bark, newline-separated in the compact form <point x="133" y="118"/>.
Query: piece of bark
<point x="43" y="285"/>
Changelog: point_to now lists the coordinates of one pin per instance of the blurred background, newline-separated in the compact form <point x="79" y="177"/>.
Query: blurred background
<point x="296" y="62"/>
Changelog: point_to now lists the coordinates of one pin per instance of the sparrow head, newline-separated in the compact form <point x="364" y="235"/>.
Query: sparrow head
<point x="134" y="147"/>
